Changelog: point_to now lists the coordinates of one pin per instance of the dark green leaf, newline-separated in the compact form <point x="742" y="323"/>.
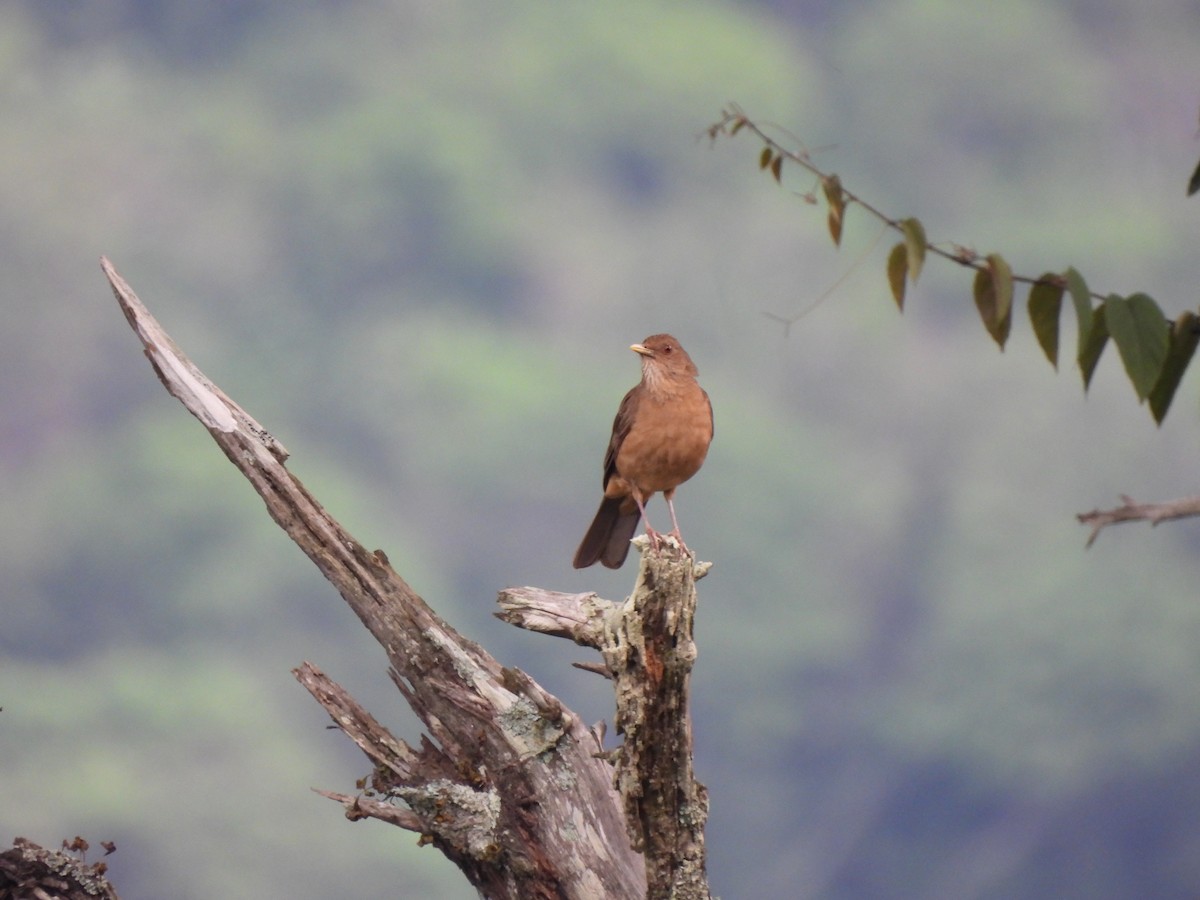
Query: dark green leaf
<point x="1092" y="345"/>
<point x="993" y="297"/>
<point x="1045" y="304"/>
<point x="764" y="158"/>
<point x="1082" y="299"/>
<point x="897" y="273"/>
<point x="914" y="242"/>
<point x="1185" y="335"/>
<point x="777" y="168"/>
<point x="1142" y="335"/>
<point x="1003" y="280"/>
<point x="837" y="206"/>
<point x="1194" y="184"/>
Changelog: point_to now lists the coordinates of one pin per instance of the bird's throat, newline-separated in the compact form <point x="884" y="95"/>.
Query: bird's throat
<point x="660" y="384"/>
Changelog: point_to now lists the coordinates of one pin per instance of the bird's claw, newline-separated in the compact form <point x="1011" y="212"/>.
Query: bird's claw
<point x="655" y="539"/>
<point x="679" y="540"/>
<point x="658" y="540"/>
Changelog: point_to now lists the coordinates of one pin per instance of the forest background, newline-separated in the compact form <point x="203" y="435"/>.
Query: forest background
<point x="414" y="241"/>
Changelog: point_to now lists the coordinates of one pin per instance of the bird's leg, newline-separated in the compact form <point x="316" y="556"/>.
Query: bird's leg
<point x="654" y="536"/>
<point x="675" y="527"/>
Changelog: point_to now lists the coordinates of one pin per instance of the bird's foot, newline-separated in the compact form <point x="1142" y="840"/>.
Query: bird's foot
<point x="658" y="541"/>
<point x="674" y="533"/>
<point x="655" y="539"/>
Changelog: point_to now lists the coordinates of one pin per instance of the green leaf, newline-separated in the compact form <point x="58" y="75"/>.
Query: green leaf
<point x="777" y="169"/>
<point x="764" y="158"/>
<point x="993" y="297"/>
<point x="1081" y="297"/>
<point x="1092" y="345"/>
<point x="1142" y="335"/>
<point x="1185" y="335"/>
<point x="1003" y="279"/>
<point x="1045" y="304"/>
<point x="837" y="206"/>
<point x="897" y="273"/>
<point x="914" y="243"/>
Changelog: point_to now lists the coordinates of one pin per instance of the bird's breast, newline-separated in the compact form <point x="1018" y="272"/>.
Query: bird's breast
<point x="668" y="441"/>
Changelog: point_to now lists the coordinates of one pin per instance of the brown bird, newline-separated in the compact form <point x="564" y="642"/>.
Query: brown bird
<point x="659" y="440"/>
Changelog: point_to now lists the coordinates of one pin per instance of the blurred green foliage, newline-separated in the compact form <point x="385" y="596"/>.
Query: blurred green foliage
<point x="414" y="241"/>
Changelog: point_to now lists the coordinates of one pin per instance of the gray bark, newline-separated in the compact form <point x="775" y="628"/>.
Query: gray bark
<point x="509" y="784"/>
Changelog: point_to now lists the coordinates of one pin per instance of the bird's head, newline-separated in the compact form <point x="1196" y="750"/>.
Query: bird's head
<point x="663" y="357"/>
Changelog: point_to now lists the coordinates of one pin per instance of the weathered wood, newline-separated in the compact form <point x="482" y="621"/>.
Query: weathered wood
<point x="30" y="872"/>
<point x="1131" y="511"/>
<point x="648" y="651"/>
<point x="513" y="787"/>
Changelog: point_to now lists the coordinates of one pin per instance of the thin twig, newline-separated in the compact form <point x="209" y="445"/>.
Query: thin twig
<point x="733" y="119"/>
<point x="1130" y="511"/>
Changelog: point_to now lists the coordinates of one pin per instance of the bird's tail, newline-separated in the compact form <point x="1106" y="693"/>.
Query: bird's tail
<point x="607" y="540"/>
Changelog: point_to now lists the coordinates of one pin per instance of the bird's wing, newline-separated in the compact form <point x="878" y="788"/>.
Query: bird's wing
<point x="626" y="413"/>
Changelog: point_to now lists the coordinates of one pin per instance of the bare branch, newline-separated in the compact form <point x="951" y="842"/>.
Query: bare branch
<point x="580" y="617"/>
<point x="361" y="807"/>
<point x="359" y="725"/>
<point x="1129" y="511"/>
<point x="28" y="870"/>
<point x="513" y="792"/>
<point x="516" y="790"/>
<point x="596" y="668"/>
<point x="650" y="653"/>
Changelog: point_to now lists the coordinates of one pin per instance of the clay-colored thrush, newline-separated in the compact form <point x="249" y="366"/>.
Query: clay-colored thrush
<point x="659" y="440"/>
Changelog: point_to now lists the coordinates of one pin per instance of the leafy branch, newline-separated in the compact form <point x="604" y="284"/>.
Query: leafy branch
<point x="1155" y="350"/>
